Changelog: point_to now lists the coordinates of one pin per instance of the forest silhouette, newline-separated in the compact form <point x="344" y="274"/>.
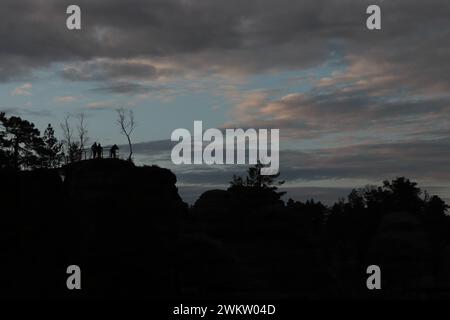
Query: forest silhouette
<point x="133" y="236"/>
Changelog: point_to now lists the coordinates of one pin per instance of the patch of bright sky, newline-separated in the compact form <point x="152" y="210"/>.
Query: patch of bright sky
<point x="157" y="113"/>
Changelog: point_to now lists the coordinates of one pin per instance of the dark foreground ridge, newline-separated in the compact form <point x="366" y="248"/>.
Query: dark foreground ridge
<point x="133" y="236"/>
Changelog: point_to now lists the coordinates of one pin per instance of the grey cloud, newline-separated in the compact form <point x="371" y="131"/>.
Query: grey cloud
<point x="425" y="161"/>
<point x="325" y="111"/>
<point x="127" y="88"/>
<point x="153" y="147"/>
<point x="26" y="112"/>
<point x="190" y="194"/>
<point x="108" y="70"/>
<point x="219" y="36"/>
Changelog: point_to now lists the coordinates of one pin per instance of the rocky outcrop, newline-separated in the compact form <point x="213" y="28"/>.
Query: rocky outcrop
<point x="118" y="222"/>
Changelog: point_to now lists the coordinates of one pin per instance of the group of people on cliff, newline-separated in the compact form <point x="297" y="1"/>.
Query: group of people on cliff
<point x="97" y="151"/>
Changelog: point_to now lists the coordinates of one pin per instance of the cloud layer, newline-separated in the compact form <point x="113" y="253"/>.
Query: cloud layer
<point x="151" y="39"/>
<point x="339" y="167"/>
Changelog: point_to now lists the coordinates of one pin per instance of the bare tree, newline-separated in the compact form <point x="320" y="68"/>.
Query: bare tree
<point x="67" y="130"/>
<point x="67" y="133"/>
<point x="126" y="123"/>
<point x="72" y="147"/>
<point x="82" y="131"/>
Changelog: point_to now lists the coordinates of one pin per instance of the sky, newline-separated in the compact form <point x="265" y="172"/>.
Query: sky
<point x="354" y="106"/>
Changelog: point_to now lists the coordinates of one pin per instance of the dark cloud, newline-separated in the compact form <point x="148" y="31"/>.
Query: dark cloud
<point x="26" y="112"/>
<point x="326" y="111"/>
<point x="127" y="88"/>
<point x="224" y="36"/>
<point x="190" y="194"/>
<point x="425" y="161"/>
<point x="149" y="148"/>
<point x="102" y="70"/>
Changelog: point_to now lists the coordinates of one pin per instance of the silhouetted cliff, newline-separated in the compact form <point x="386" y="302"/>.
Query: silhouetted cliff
<point x="118" y="222"/>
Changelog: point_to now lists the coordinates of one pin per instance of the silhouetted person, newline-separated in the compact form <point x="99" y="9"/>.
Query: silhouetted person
<point x="94" y="149"/>
<point x="100" y="151"/>
<point x="113" y="151"/>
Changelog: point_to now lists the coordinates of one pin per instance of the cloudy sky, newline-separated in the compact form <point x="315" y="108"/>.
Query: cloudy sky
<point x="353" y="106"/>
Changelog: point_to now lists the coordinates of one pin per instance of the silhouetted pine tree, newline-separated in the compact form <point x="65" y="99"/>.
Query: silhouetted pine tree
<point x="51" y="151"/>
<point x="20" y="142"/>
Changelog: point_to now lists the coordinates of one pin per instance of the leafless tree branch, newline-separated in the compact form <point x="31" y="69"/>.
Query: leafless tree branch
<point x="82" y="131"/>
<point x="127" y="124"/>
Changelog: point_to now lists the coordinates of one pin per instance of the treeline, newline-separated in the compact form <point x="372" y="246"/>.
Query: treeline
<point x="22" y="147"/>
<point x="266" y="247"/>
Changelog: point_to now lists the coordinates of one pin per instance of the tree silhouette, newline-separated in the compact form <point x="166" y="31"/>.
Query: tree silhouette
<point x="4" y="159"/>
<point x="74" y="145"/>
<point x="399" y="194"/>
<point x="257" y="184"/>
<point x="20" y="142"/>
<point x="82" y="131"/>
<point x="51" y="151"/>
<point x="435" y="206"/>
<point x="255" y="179"/>
<point x="126" y="123"/>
